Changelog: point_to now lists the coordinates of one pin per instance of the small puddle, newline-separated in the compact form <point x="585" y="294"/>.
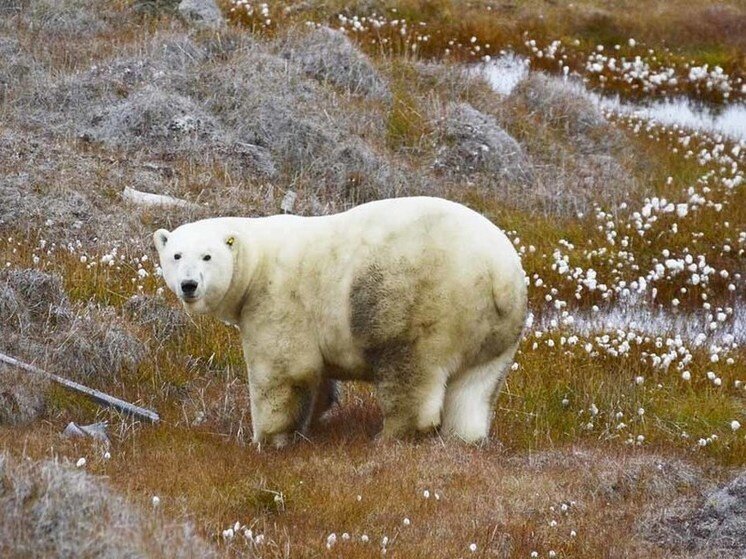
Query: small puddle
<point x="505" y="72"/>
<point x="730" y="121"/>
<point x="653" y="322"/>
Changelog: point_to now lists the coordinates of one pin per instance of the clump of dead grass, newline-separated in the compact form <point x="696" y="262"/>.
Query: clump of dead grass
<point x="162" y="320"/>
<point x="204" y="13"/>
<point x="69" y="18"/>
<point x="712" y="526"/>
<point x="155" y="119"/>
<point x="40" y="324"/>
<point x="22" y="396"/>
<point x="96" y="343"/>
<point x="473" y="142"/>
<point x="30" y="297"/>
<point x="51" y="510"/>
<point x="271" y="104"/>
<point x="567" y="108"/>
<point x="329" y="56"/>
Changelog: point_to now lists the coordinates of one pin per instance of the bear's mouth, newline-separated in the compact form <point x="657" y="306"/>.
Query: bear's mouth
<point x="190" y="298"/>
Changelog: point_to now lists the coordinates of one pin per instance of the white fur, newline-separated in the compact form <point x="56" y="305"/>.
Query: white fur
<point x="468" y="407"/>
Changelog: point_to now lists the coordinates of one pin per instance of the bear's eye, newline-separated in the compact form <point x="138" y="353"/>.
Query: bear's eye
<point x="177" y="256"/>
<point x="206" y="257"/>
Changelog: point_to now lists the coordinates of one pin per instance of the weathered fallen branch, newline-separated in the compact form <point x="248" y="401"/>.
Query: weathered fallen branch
<point x="95" y="395"/>
<point x="148" y="199"/>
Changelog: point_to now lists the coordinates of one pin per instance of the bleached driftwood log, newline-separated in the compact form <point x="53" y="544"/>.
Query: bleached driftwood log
<point x="149" y="199"/>
<point x="95" y="395"/>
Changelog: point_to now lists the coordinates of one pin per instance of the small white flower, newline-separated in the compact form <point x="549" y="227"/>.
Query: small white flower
<point x="364" y="538"/>
<point x="406" y="522"/>
<point x="735" y="425"/>
<point x="80" y="463"/>
<point x="426" y="494"/>
<point x="472" y="547"/>
<point x="331" y="540"/>
<point x="107" y="455"/>
<point x="156" y="500"/>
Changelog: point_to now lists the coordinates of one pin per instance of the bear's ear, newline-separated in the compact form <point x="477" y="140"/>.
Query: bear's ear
<point x="160" y="238"/>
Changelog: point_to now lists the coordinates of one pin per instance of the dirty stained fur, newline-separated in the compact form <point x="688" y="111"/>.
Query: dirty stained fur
<point x="423" y="297"/>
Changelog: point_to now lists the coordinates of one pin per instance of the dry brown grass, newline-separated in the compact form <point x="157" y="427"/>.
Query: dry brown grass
<point x="341" y="483"/>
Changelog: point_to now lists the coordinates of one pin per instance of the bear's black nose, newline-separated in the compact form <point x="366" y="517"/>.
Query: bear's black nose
<point x="189" y="287"/>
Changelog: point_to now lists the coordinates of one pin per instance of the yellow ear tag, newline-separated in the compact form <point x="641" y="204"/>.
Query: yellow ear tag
<point x="230" y="241"/>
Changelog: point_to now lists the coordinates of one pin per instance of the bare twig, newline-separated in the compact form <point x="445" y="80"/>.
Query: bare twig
<point x="95" y="395"/>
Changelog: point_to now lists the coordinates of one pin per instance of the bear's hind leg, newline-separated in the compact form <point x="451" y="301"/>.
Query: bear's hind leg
<point x="411" y="400"/>
<point x="470" y="398"/>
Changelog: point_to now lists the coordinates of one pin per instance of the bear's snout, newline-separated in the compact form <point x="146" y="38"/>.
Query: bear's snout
<point x="188" y="288"/>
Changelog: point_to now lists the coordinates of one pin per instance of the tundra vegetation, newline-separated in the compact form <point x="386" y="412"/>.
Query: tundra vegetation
<point x="618" y="432"/>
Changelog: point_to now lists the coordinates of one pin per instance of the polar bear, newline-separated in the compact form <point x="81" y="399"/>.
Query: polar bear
<point x="422" y="296"/>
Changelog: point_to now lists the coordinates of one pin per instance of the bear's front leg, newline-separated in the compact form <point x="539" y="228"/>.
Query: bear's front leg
<point x="283" y="395"/>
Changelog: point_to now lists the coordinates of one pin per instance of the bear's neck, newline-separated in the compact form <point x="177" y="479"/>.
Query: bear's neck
<point x="245" y="268"/>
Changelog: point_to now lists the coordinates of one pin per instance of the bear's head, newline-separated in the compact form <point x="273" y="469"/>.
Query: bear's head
<point x="197" y="264"/>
